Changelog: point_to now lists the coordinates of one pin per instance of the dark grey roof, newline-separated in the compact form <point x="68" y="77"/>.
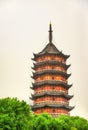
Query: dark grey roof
<point x="37" y="106"/>
<point x="49" y="93"/>
<point x="50" y="48"/>
<point x="51" y="82"/>
<point x="52" y="71"/>
<point x="51" y="62"/>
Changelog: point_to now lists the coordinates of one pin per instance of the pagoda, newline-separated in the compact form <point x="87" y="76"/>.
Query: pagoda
<point x="50" y="81"/>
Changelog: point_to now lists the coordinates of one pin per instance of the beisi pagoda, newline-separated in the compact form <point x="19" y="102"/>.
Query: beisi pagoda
<point x="51" y="81"/>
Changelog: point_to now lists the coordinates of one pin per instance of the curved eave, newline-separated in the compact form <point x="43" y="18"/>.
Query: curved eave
<point x="51" y="62"/>
<point x="69" y="108"/>
<point x="33" y="68"/>
<point x="65" y="56"/>
<point x="34" y="87"/>
<point x="31" y="98"/>
<point x="39" y="73"/>
<point x="50" y="53"/>
<point x="50" y="82"/>
<point x="61" y="94"/>
<point x="50" y="48"/>
<point x="33" y="59"/>
<point x="67" y="66"/>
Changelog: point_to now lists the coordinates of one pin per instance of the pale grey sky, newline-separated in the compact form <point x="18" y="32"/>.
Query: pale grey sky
<point x="24" y="31"/>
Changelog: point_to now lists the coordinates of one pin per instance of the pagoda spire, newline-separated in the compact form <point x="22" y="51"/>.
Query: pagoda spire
<point x="50" y="33"/>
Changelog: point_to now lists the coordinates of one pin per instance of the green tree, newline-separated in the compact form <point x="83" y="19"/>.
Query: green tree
<point x="63" y="122"/>
<point x="40" y="122"/>
<point x="14" y="114"/>
<point x="54" y="125"/>
<point x="79" y="122"/>
<point x="73" y="128"/>
<point x="73" y="122"/>
<point x="17" y="115"/>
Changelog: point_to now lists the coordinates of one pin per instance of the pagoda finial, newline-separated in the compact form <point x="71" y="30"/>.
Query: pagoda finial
<point x="50" y="33"/>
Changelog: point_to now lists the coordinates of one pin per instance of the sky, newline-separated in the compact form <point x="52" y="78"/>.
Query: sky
<point x="24" y="26"/>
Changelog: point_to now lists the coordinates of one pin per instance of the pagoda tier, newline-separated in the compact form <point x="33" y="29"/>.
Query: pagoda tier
<point x="49" y="50"/>
<point x="50" y="81"/>
<point x="68" y="108"/>
<point x="50" y="71"/>
<point x="57" y="94"/>
<point x="50" y="63"/>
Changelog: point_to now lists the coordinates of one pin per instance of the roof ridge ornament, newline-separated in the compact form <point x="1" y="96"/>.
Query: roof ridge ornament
<point x="50" y="33"/>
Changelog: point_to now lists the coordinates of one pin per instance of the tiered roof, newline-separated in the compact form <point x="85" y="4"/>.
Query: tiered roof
<point x="50" y="49"/>
<point x="51" y="62"/>
<point x="64" y="106"/>
<point x="50" y="71"/>
<point x="50" y="82"/>
<point x="49" y="93"/>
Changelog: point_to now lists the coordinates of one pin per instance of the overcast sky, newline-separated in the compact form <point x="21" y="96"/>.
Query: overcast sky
<point x="24" y="31"/>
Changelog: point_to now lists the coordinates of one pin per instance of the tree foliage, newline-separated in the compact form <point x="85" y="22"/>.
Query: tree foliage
<point x="14" y="114"/>
<point x="63" y="122"/>
<point x="17" y="115"/>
